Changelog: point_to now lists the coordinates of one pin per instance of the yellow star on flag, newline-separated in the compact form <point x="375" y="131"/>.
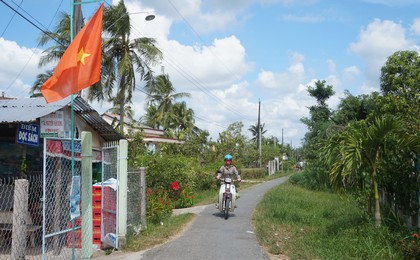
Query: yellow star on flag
<point x="82" y="55"/>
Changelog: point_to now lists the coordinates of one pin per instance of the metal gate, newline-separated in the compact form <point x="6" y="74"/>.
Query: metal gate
<point x="61" y="234"/>
<point x="110" y="183"/>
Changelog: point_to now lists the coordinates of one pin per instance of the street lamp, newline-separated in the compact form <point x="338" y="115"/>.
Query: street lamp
<point x="149" y="17"/>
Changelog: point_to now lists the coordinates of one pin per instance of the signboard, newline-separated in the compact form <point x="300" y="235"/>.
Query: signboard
<point x="28" y="134"/>
<point x="52" y="125"/>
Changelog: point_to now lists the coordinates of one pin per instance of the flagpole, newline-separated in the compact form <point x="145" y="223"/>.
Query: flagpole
<point x="73" y="31"/>
<point x="73" y="233"/>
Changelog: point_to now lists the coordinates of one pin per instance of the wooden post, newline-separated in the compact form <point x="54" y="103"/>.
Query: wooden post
<point x="143" y="198"/>
<point x="20" y="210"/>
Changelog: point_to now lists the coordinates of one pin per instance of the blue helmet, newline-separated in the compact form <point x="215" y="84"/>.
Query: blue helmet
<point x="228" y="157"/>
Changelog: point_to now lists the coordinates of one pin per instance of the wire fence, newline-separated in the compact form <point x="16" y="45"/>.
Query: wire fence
<point x="136" y="200"/>
<point x="110" y="178"/>
<point x="60" y="239"/>
<point x="20" y="203"/>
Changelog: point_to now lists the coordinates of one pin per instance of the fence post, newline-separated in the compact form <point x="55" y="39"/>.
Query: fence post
<point x="87" y="225"/>
<point x="20" y="210"/>
<point x="143" y="198"/>
<point x="122" y="193"/>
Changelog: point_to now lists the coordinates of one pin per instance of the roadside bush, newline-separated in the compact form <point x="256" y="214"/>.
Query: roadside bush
<point x="158" y="205"/>
<point x="253" y="173"/>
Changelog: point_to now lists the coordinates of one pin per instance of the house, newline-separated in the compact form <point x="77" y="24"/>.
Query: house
<point x="38" y="151"/>
<point x="152" y="137"/>
<point x="24" y="122"/>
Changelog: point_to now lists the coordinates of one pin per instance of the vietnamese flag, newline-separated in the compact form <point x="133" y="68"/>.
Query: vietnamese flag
<point x="79" y="67"/>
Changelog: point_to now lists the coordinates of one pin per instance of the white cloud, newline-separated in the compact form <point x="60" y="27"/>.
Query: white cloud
<point x="415" y="27"/>
<point x="21" y="63"/>
<point x="350" y="73"/>
<point x="376" y="43"/>
<point x="283" y="81"/>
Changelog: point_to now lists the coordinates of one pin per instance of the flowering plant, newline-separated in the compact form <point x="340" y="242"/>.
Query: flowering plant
<point x="411" y="246"/>
<point x="186" y="198"/>
<point x="158" y="205"/>
<point x="175" y="186"/>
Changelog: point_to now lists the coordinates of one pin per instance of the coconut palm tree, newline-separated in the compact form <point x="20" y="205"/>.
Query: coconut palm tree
<point x="60" y="36"/>
<point x="255" y="133"/>
<point x="182" y="120"/>
<point x="161" y="95"/>
<point x="122" y="58"/>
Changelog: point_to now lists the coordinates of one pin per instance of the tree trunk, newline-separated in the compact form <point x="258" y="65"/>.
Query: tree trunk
<point x="377" y="207"/>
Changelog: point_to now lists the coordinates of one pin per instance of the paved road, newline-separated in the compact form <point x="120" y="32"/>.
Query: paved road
<point x="210" y="236"/>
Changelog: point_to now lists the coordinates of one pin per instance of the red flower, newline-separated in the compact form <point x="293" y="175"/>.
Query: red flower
<point x="175" y="185"/>
<point x="415" y="235"/>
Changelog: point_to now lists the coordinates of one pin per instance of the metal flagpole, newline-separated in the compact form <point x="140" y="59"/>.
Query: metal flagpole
<point x="73" y="30"/>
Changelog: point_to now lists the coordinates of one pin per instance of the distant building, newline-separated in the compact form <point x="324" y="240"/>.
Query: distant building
<point x="153" y="138"/>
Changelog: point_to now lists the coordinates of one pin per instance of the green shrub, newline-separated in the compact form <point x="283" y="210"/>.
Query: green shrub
<point x="158" y="205"/>
<point x="253" y="173"/>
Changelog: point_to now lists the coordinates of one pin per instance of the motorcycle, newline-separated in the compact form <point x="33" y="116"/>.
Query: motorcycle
<point x="227" y="197"/>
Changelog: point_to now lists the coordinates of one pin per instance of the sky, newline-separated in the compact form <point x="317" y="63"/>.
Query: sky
<point x="231" y="55"/>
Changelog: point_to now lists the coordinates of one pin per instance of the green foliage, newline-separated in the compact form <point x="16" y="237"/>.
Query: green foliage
<point x="253" y="173"/>
<point x="158" y="205"/>
<point x="304" y="224"/>
<point x="400" y="77"/>
<point x="161" y="171"/>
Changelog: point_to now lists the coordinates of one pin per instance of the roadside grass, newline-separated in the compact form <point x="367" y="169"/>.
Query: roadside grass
<point x="156" y="234"/>
<point x="304" y="224"/>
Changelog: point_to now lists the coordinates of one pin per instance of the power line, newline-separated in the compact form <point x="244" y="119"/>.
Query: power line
<point x="10" y="21"/>
<point x="27" y="62"/>
<point x="29" y="21"/>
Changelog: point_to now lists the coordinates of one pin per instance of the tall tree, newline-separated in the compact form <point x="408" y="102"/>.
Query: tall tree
<point x="123" y="59"/>
<point x="319" y="118"/>
<point x="161" y="95"/>
<point x="60" y="39"/>
<point x="255" y="133"/>
<point x="400" y="85"/>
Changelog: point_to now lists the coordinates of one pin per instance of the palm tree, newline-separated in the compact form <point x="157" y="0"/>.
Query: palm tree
<point x="361" y="148"/>
<point x="61" y="37"/>
<point x="255" y="133"/>
<point x="161" y="95"/>
<point x="122" y="58"/>
<point x="182" y="120"/>
<point x="150" y="119"/>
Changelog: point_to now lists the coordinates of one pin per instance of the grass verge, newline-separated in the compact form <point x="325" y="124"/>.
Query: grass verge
<point x="303" y="224"/>
<point x="156" y="234"/>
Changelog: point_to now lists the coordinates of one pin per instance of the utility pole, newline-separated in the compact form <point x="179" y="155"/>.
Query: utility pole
<point x="259" y="133"/>
<point x="282" y="137"/>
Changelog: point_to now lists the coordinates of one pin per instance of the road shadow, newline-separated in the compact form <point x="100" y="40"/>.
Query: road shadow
<point x="221" y="215"/>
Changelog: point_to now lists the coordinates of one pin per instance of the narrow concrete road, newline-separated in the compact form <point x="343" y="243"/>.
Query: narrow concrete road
<point x="210" y="236"/>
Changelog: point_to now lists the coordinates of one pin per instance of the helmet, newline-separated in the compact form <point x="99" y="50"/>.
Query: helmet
<point x="228" y="157"/>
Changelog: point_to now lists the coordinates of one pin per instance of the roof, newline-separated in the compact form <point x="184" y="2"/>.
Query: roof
<point x="29" y="109"/>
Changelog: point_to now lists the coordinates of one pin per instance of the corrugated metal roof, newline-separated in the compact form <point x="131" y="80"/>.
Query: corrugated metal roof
<point x="29" y="109"/>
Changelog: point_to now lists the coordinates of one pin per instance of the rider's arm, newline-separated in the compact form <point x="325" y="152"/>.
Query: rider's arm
<point x="219" y="173"/>
<point x="235" y="171"/>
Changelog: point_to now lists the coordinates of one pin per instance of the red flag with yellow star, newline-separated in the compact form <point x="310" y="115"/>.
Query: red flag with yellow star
<point x="79" y="67"/>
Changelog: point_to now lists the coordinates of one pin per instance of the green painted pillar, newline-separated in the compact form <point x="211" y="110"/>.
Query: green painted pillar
<point x="87" y="225"/>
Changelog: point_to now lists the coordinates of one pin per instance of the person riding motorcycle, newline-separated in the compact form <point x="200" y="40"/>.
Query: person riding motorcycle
<point x="227" y="171"/>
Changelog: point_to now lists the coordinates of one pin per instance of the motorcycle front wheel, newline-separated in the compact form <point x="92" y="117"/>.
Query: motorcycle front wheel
<point x="227" y="205"/>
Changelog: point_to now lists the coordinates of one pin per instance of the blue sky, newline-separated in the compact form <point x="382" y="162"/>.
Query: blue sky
<point x="230" y="54"/>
